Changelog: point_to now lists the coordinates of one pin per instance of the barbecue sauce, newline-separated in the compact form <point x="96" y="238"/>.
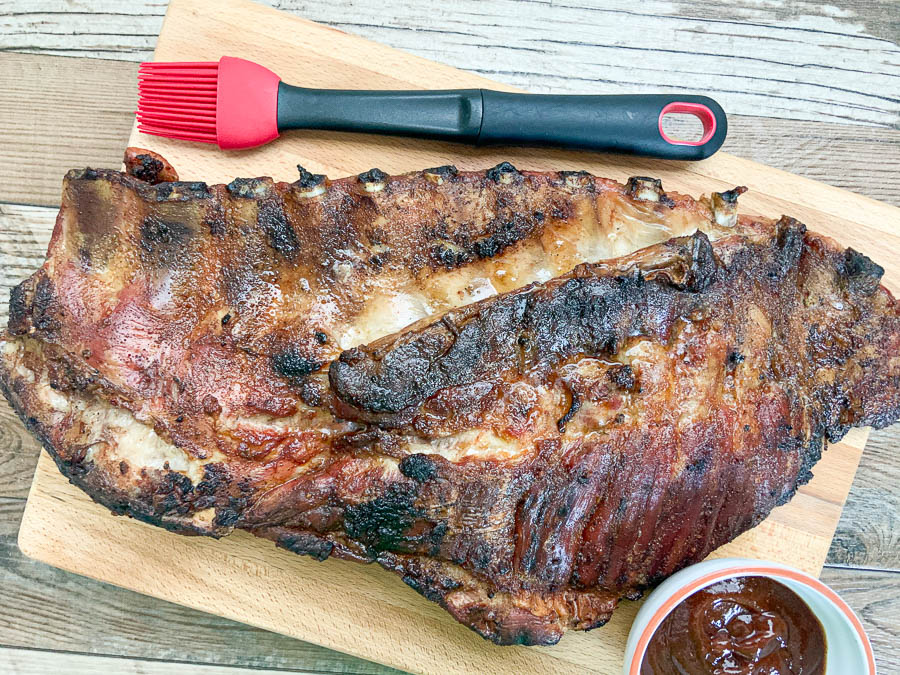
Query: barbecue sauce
<point x="739" y="626"/>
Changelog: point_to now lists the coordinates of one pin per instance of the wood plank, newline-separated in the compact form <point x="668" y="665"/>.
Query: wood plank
<point x="24" y="235"/>
<point x="35" y="662"/>
<point x="42" y="607"/>
<point x="63" y="527"/>
<point x="865" y="160"/>
<point x="789" y="138"/>
<point x="798" y="60"/>
<point x="868" y="534"/>
<point x="46" y="104"/>
<point x="18" y="455"/>
<point x="875" y="597"/>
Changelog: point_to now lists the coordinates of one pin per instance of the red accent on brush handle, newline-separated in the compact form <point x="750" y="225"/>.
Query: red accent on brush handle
<point x="702" y="112"/>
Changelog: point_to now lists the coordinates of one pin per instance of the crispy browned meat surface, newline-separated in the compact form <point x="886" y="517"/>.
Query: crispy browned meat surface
<point x="539" y="443"/>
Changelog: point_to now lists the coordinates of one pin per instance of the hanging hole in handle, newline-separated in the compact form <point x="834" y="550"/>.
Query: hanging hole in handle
<point x="685" y="123"/>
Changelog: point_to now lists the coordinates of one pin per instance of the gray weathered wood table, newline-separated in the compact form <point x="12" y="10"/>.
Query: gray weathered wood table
<point x="814" y="89"/>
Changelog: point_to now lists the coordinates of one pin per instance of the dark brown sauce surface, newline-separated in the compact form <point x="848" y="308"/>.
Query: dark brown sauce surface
<point x="738" y="626"/>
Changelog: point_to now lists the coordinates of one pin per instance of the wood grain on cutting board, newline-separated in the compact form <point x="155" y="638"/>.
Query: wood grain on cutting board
<point x="362" y="609"/>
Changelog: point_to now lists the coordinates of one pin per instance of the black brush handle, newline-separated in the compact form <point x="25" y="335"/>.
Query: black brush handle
<point x="629" y="124"/>
<point x="625" y="124"/>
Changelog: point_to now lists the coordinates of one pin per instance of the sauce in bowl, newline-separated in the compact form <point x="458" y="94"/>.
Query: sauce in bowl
<point x="739" y="626"/>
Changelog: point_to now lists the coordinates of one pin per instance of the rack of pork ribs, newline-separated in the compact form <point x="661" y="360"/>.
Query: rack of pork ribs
<point x="527" y="394"/>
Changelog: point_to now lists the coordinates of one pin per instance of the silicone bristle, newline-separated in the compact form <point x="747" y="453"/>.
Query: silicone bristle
<point x="178" y="100"/>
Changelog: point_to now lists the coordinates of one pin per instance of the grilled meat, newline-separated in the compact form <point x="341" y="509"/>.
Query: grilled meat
<point x="539" y="442"/>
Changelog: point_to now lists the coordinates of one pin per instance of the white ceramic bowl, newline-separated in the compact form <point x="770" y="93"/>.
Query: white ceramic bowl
<point x="847" y="647"/>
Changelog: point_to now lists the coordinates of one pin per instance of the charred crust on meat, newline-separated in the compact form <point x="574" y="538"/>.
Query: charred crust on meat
<point x="424" y="589"/>
<point x="249" y="188"/>
<point x="623" y="377"/>
<point x="699" y="466"/>
<point x="307" y="179"/>
<point x="155" y="231"/>
<point x="381" y="524"/>
<point x="703" y="268"/>
<point x="448" y="257"/>
<point x="733" y="360"/>
<point x="445" y="171"/>
<point x="587" y="313"/>
<point x="181" y="191"/>
<point x="281" y="234"/>
<point x="85" y="257"/>
<point x="502" y="172"/>
<point x="419" y="467"/>
<point x="215" y="220"/>
<point x="215" y="478"/>
<point x="174" y="493"/>
<point x="373" y="175"/>
<point x="293" y="364"/>
<point x="379" y="259"/>
<point x="810" y="454"/>
<point x="163" y="240"/>
<point x="18" y="308"/>
<point x="148" y="167"/>
<point x="311" y="393"/>
<point x="43" y="307"/>
<point x="574" y="407"/>
<point x="863" y="276"/>
<point x="227" y="516"/>
<point x="645" y="189"/>
<point x="509" y="233"/>
<point x="306" y="543"/>
<point x="790" y="242"/>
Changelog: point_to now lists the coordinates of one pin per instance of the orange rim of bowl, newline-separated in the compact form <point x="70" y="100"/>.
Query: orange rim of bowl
<point x="697" y="584"/>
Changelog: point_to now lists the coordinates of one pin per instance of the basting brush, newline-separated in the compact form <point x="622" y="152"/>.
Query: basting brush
<point x="236" y="103"/>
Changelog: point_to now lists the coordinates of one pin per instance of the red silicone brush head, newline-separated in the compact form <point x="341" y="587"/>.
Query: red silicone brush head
<point x="232" y="102"/>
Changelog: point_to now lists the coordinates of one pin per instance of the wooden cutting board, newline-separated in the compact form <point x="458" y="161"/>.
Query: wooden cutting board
<point x="361" y="609"/>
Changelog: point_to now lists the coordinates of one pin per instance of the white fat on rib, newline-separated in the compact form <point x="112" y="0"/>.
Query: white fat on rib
<point x="479" y="289"/>
<point x="632" y="229"/>
<point x="139" y="445"/>
<point x="386" y="313"/>
<point x="471" y="444"/>
<point x="113" y="434"/>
